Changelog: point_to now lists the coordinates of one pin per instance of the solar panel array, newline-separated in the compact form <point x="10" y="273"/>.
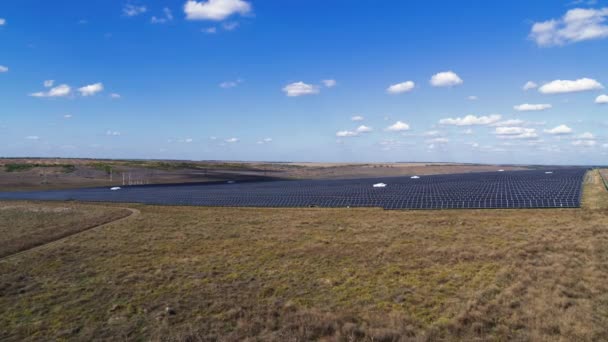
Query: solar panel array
<point x="560" y="188"/>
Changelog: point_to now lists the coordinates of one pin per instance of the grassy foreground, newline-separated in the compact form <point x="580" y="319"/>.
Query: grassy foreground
<point x="198" y="274"/>
<point x="24" y="226"/>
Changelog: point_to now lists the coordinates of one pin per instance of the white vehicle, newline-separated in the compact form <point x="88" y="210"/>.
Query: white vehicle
<point x="549" y="172"/>
<point x="414" y="177"/>
<point x="115" y="188"/>
<point x="501" y="170"/>
<point x="379" y="185"/>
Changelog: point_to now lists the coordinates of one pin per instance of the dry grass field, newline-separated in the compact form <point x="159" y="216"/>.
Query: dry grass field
<point x="232" y="274"/>
<point x="604" y="174"/>
<point x="45" y="174"/>
<point x="25" y="226"/>
<point x="341" y="171"/>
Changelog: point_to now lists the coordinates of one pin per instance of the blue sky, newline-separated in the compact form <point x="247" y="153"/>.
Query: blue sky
<point x="282" y="81"/>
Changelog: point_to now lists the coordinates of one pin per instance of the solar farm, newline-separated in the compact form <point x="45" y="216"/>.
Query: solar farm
<point x="558" y="188"/>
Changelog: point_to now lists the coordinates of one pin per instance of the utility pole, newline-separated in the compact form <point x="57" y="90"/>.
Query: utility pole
<point x="123" y="179"/>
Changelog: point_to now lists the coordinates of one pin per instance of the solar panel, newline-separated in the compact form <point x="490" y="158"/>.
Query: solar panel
<point x="559" y="188"/>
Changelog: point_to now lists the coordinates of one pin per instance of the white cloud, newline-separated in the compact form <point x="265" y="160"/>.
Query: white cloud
<point x="329" y="83"/>
<point x="363" y="129"/>
<point x="230" y="84"/>
<point x="398" y="127"/>
<point x="357" y="118"/>
<point x="400" y="88"/>
<point x="446" y="79"/>
<point x="232" y="140"/>
<point x="530" y="85"/>
<point x="568" y="86"/>
<point x="526" y="107"/>
<point x="112" y="133"/>
<point x="559" y="130"/>
<point x="510" y="122"/>
<point x="131" y="10"/>
<point x="215" y="9"/>
<point x="344" y="134"/>
<point x="167" y="16"/>
<point x="468" y="132"/>
<point x="48" y="83"/>
<point x="576" y="25"/>
<point x="584" y="143"/>
<point x="91" y="89"/>
<point x="168" y="13"/>
<point x="32" y="137"/>
<point x="602" y="99"/>
<point x="471" y="120"/>
<point x="586" y="136"/>
<point x="3" y="68"/>
<point x="516" y="133"/>
<point x="300" y="88"/>
<point x="115" y="96"/>
<point x="583" y="2"/>
<point x="61" y="90"/>
<point x="58" y="91"/>
<point x="472" y="98"/>
<point x="265" y="141"/>
<point x="230" y="26"/>
<point x="209" y="30"/>
<point x="439" y="145"/>
<point x="2" y="21"/>
<point x="67" y="116"/>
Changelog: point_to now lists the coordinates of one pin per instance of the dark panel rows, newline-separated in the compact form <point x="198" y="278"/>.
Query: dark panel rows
<point x="559" y="188"/>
